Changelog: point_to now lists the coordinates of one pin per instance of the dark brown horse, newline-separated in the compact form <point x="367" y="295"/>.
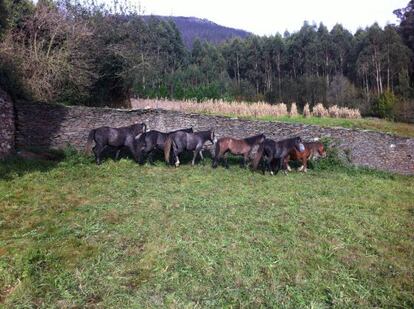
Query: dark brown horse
<point x="313" y="150"/>
<point x="238" y="147"/>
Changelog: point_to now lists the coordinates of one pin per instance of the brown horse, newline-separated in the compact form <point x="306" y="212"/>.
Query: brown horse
<point x="239" y="147"/>
<point x="313" y="150"/>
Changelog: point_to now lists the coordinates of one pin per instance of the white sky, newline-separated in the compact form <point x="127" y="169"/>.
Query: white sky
<point x="266" y="17"/>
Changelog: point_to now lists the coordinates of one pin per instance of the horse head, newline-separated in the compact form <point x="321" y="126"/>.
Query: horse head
<point x="262" y="137"/>
<point x="299" y="144"/>
<point x="213" y="137"/>
<point x="321" y="150"/>
<point x="139" y="128"/>
<point x="140" y="144"/>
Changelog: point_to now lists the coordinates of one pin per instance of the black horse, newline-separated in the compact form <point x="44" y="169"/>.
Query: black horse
<point x="272" y="153"/>
<point x="178" y="142"/>
<point x="149" y="142"/>
<point x="114" y="137"/>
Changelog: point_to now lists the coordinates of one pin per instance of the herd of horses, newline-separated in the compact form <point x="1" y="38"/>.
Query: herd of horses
<point x="257" y="150"/>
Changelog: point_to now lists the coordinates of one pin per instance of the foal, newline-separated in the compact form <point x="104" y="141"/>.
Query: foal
<point x="240" y="147"/>
<point x="312" y="150"/>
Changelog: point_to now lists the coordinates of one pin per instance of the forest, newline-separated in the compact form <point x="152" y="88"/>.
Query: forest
<point x="81" y="53"/>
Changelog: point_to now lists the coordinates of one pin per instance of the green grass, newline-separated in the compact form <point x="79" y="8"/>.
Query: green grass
<point x="373" y="124"/>
<point x="122" y="235"/>
<point x="380" y="125"/>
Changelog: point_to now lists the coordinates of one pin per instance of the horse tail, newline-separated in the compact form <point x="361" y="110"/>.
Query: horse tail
<point x="91" y="138"/>
<point x="167" y="149"/>
<point x="216" y="149"/>
<point x="258" y="157"/>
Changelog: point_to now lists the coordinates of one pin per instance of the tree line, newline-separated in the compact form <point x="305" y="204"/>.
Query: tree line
<point x="86" y="54"/>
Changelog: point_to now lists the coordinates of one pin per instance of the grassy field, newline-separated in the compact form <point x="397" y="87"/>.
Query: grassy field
<point x="373" y="124"/>
<point x="73" y="234"/>
<point x="381" y="125"/>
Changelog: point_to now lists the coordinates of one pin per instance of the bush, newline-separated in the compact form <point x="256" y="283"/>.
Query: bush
<point x="385" y="104"/>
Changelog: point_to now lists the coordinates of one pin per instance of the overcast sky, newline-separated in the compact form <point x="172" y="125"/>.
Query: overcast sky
<point x="266" y="17"/>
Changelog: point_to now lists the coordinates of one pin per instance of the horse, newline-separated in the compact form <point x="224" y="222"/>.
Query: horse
<point x="177" y="142"/>
<point x="239" y="147"/>
<point x="272" y="153"/>
<point x="312" y="150"/>
<point x="148" y="142"/>
<point x="114" y="137"/>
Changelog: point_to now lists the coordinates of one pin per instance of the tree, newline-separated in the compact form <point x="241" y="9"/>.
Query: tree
<point x="47" y="50"/>
<point x="406" y="27"/>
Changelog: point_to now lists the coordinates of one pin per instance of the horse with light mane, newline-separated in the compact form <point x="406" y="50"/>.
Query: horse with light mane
<point x="313" y="150"/>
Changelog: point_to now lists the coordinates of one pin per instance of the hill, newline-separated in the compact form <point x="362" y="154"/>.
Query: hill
<point x="192" y="28"/>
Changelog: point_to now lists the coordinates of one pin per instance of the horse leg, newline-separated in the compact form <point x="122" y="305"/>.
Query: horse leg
<point x="175" y="153"/>
<point x="133" y="152"/>
<point x="195" y="152"/>
<point x="117" y="154"/>
<point x="272" y="167"/>
<point x="97" y="150"/>
<point x="217" y="158"/>
<point x="177" y="160"/>
<point x="201" y="154"/>
<point x="279" y="165"/>
<point x="226" y="163"/>
<point x="286" y="164"/>
<point x="151" y="157"/>
<point x="305" y="165"/>
<point x="245" y="159"/>
<point x="263" y="164"/>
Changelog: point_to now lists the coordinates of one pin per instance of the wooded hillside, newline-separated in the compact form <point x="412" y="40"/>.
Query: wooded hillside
<point x="83" y="54"/>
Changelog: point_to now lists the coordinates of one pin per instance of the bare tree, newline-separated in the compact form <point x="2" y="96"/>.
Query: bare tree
<point x="49" y="51"/>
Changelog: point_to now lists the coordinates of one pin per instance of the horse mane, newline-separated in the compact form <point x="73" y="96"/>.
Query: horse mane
<point x="252" y="140"/>
<point x="288" y="141"/>
<point x="204" y="134"/>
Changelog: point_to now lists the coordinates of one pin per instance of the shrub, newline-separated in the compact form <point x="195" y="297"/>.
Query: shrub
<point x="385" y="104"/>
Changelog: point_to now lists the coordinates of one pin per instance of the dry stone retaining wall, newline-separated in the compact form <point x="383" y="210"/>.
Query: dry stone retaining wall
<point x="7" y="125"/>
<point x="54" y="126"/>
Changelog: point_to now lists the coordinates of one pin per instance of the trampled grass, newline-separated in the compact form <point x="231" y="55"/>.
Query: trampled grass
<point x="73" y="234"/>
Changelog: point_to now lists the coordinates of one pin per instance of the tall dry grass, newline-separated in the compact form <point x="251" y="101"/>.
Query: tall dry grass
<point x="293" y="110"/>
<point x="306" y="111"/>
<point x="244" y="109"/>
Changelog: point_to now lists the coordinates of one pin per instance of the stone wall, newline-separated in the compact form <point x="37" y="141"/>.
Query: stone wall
<point x="53" y="126"/>
<point x="7" y="125"/>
